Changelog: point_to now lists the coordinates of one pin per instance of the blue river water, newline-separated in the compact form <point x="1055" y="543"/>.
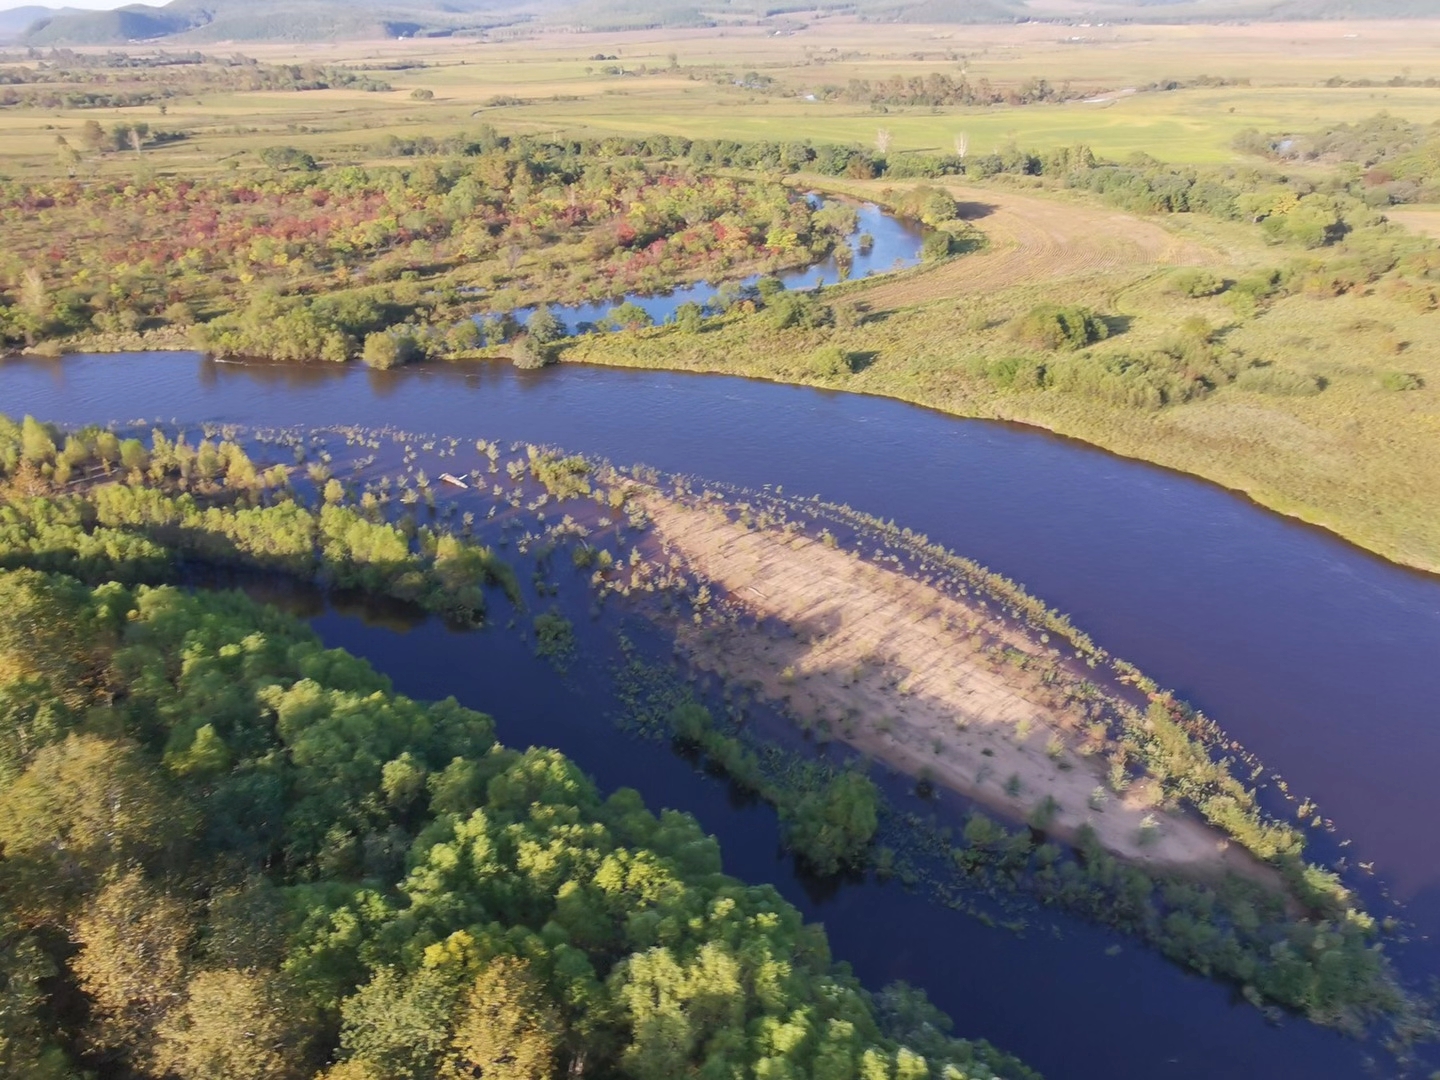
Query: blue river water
<point x="1321" y="658"/>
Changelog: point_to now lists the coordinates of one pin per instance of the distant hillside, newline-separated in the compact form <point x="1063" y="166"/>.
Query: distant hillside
<point x="199" y="21"/>
<point x="1256" y="10"/>
<point x="15" y="21"/>
<point x="202" y="21"/>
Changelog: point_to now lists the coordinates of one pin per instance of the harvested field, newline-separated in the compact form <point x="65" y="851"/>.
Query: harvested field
<point x="1424" y="220"/>
<point x="1036" y="240"/>
<point x="893" y="666"/>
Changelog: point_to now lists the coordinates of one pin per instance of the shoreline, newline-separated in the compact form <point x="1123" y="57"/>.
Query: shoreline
<point x="931" y="702"/>
<point x="1385" y="553"/>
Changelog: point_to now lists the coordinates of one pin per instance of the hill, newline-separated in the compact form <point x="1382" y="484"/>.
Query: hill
<point x="15" y="21"/>
<point x="200" y="21"/>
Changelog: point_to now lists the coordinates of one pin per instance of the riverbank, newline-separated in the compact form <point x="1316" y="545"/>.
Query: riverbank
<point x="1320" y="428"/>
<point x="915" y="678"/>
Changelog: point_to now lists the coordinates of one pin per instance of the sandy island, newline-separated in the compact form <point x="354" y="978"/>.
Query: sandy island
<point x="893" y="666"/>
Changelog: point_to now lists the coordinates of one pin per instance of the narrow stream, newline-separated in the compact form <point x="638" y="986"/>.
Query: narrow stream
<point x="889" y="243"/>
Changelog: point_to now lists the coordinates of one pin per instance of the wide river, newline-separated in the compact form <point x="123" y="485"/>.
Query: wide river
<point x="1322" y="659"/>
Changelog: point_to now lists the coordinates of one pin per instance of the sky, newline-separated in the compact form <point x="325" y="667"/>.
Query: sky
<point x="89" y="5"/>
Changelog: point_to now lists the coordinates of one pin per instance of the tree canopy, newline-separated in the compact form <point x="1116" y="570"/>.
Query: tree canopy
<point x="256" y="860"/>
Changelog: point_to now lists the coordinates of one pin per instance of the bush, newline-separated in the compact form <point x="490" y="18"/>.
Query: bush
<point x="1149" y="381"/>
<point x="1050" y="326"/>
<point x="389" y="348"/>
<point x="1400" y="380"/>
<point x="288" y="157"/>
<point x="689" y="318"/>
<point x="423" y="95"/>
<point x="831" y="361"/>
<point x="831" y="829"/>
<point x="1278" y="381"/>
<point x="1016" y="373"/>
<point x="544" y="327"/>
<point x="1248" y="294"/>
<point x="530" y="354"/>
<point x="628" y="316"/>
<point x="940" y="244"/>
<point x="769" y="288"/>
<point x="463" y="336"/>
<point x="802" y="311"/>
<point x="931" y="205"/>
<point x="1195" y="283"/>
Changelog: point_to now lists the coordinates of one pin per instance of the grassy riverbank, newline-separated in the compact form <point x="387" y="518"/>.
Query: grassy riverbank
<point x="300" y="223"/>
<point x="1328" y="410"/>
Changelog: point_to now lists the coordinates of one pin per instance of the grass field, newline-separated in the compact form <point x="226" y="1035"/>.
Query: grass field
<point x="565" y="89"/>
<point x="1356" y="457"/>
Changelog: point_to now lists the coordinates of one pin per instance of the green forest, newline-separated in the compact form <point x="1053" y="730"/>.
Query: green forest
<point x="115" y="513"/>
<point x="226" y="850"/>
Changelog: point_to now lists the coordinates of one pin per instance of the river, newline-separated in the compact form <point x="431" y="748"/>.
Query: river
<point x="892" y="244"/>
<point x="1319" y="657"/>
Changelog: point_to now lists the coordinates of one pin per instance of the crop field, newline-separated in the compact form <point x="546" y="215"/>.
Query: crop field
<point x="694" y="83"/>
<point x="1030" y="239"/>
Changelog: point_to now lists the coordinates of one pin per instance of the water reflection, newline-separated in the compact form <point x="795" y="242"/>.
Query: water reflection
<point x="893" y="244"/>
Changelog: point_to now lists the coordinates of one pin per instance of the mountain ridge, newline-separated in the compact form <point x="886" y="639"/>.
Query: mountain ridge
<point x="200" y="21"/>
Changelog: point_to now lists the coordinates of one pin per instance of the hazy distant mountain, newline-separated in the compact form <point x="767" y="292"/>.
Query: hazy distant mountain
<point x="1258" y="10"/>
<point x="16" y="21"/>
<point x="199" y="21"/>
<point x="203" y="21"/>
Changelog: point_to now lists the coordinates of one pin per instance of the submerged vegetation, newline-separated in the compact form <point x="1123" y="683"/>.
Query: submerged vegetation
<point x="108" y="509"/>
<point x="309" y="871"/>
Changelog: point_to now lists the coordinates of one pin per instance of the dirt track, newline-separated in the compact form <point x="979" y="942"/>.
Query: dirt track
<point x="1038" y="239"/>
<point x="890" y="663"/>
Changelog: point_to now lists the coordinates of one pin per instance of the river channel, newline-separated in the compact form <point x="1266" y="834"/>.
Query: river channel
<point x="1322" y="659"/>
<point x="889" y="243"/>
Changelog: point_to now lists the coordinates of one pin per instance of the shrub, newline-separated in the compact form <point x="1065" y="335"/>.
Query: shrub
<point x="1278" y="381"/>
<point x="831" y="361"/>
<point x="462" y="336"/>
<point x="802" y="311"/>
<point x="288" y="157"/>
<point x="423" y="94"/>
<point x="769" y="288"/>
<point x="628" y="316"/>
<point x="940" y="244"/>
<point x="1400" y="380"/>
<point x="1148" y="381"/>
<point x="544" y="327"/>
<point x="530" y="354"/>
<point x="689" y="318"/>
<point x="832" y="828"/>
<point x="1051" y="326"/>
<point x="1016" y="373"/>
<point x="389" y="348"/>
<point x="931" y="205"/>
<point x="1195" y="283"/>
<point x="1247" y="295"/>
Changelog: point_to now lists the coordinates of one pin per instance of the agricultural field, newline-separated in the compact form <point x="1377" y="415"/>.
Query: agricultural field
<point x="688" y="82"/>
<point x="1214" y="248"/>
<point x="1317" y="441"/>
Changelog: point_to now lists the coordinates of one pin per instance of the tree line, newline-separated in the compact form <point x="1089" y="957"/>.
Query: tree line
<point x="226" y="850"/>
